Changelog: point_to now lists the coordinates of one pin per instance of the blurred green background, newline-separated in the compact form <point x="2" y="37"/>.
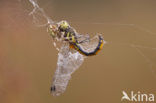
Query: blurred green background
<point x="28" y="58"/>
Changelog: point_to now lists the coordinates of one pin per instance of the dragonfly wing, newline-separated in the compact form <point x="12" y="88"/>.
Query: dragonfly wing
<point x="90" y="44"/>
<point x="68" y="61"/>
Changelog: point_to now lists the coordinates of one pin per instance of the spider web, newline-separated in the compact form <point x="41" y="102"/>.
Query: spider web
<point x="39" y="16"/>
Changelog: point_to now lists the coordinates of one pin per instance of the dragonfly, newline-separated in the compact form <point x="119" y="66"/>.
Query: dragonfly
<point x="74" y="48"/>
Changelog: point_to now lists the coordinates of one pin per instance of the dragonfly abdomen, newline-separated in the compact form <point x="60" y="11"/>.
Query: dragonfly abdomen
<point x="94" y="52"/>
